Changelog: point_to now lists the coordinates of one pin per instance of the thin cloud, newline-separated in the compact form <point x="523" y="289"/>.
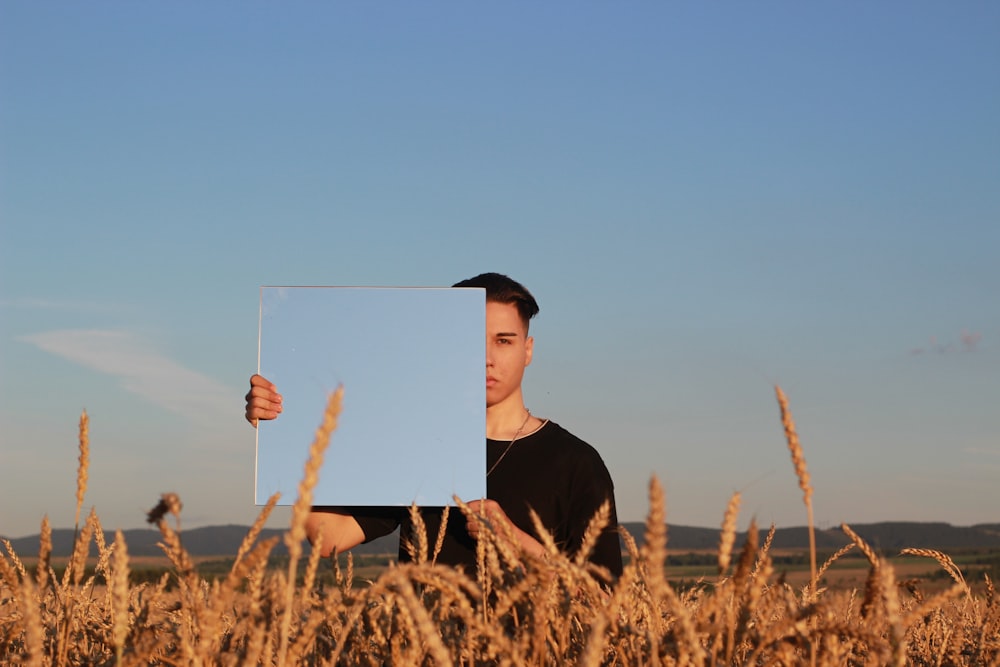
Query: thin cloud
<point x="35" y="303"/>
<point x="141" y="370"/>
<point x="969" y="342"/>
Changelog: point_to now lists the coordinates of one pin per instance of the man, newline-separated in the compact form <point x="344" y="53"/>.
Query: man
<point x="531" y="463"/>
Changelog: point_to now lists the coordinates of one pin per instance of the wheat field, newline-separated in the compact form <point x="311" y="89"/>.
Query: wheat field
<point x="518" y="610"/>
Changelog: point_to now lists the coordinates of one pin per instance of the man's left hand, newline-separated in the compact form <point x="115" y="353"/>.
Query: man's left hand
<point x="504" y="528"/>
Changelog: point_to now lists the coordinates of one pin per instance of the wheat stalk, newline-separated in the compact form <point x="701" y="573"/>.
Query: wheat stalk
<point x="311" y="566"/>
<point x="595" y="528"/>
<point x="654" y="550"/>
<point x="119" y="595"/>
<point x="74" y="573"/>
<point x="255" y="529"/>
<point x="15" y="559"/>
<point x="799" y="462"/>
<point x="832" y="559"/>
<point x="762" y="554"/>
<point x="103" y="551"/>
<point x="418" y="551"/>
<point x="424" y="628"/>
<point x="869" y="553"/>
<point x="442" y="529"/>
<point x="170" y="503"/>
<point x="300" y="511"/>
<point x="34" y="630"/>
<point x="84" y="464"/>
<point x="944" y="559"/>
<point x="653" y="555"/>
<point x="728" y="536"/>
<point x="44" y="554"/>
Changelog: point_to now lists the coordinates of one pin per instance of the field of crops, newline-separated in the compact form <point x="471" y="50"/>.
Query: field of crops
<point x="518" y="610"/>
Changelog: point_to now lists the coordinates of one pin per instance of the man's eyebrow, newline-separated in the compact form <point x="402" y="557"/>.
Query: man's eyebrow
<point x="505" y="335"/>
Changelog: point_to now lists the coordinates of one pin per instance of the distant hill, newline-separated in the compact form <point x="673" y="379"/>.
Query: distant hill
<point x="206" y="541"/>
<point x="887" y="537"/>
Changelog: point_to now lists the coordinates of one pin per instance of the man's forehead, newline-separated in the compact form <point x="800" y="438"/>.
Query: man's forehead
<point x="503" y="319"/>
<point x="506" y="328"/>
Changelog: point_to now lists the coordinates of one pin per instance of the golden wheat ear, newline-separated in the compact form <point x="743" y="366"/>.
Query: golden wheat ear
<point x="595" y="528"/>
<point x="44" y="554"/>
<point x="439" y="540"/>
<point x="799" y="461"/>
<point x="84" y="464"/>
<point x="254" y="532"/>
<point x="119" y="595"/>
<point x="728" y="536"/>
<point x="944" y="560"/>
<point x="418" y="551"/>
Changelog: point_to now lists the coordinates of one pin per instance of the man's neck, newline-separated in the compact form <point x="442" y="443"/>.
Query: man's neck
<point x="503" y="420"/>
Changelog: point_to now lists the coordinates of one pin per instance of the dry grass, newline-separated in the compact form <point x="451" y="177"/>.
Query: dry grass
<point x="520" y="610"/>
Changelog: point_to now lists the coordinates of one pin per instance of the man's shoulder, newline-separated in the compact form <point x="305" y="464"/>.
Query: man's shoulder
<point x="553" y="431"/>
<point x="557" y="436"/>
<point x="576" y="457"/>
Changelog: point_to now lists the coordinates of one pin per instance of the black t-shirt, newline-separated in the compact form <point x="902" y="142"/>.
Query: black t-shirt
<point x="551" y="471"/>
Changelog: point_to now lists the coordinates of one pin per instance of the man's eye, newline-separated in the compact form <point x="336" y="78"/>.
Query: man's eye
<point x="504" y="341"/>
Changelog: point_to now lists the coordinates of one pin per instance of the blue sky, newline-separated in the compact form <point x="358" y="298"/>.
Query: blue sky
<point x="706" y="199"/>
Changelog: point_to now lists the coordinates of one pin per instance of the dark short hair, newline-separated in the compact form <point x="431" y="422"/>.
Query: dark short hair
<point x="502" y="289"/>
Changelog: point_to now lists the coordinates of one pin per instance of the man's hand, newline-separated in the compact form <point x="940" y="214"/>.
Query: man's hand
<point x="263" y="400"/>
<point x="502" y="526"/>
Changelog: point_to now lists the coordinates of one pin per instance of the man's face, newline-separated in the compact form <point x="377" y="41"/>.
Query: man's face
<point x="508" y="351"/>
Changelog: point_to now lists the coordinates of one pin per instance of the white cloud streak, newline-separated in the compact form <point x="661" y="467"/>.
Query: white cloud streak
<point x="141" y="369"/>
<point x="35" y="303"/>
<point x="969" y="343"/>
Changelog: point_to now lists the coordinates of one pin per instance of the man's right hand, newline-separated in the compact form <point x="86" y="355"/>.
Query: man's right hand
<point x="263" y="400"/>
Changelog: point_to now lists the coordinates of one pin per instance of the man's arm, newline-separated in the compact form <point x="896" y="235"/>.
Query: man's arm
<point x="340" y="531"/>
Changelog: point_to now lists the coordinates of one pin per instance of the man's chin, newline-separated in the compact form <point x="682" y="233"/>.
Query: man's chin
<point x="494" y="398"/>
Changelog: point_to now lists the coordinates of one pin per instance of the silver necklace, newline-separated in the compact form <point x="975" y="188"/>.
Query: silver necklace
<point x="517" y="433"/>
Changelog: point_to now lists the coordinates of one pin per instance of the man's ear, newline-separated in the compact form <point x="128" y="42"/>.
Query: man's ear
<point x="529" y="346"/>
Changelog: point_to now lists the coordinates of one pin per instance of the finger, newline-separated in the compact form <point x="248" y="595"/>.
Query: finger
<point x="267" y="401"/>
<point x="254" y="413"/>
<point x="261" y="381"/>
<point x="264" y="392"/>
<point x="491" y="508"/>
<point x="259" y="408"/>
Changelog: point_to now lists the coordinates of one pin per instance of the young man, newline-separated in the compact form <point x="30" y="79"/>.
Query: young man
<point x="531" y="463"/>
